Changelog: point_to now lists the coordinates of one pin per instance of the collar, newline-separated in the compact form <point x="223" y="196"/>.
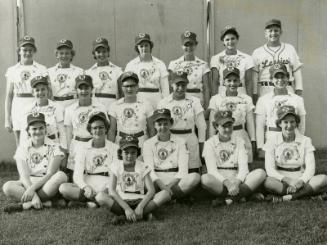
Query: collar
<point x="173" y="138"/>
<point x="137" y="60"/>
<point x="47" y="141"/>
<point x="170" y="97"/>
<point x="217" y="141"/>
<point x="272" y="94"/>
<point x="93" y="104"/>
<point x="88" y="144"/>
<point x="121" y="100"/>
<point x="95" y="66"/>
<point x="35" y="64"/>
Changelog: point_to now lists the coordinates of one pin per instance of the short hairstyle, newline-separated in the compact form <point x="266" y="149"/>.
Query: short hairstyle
<point x="151" y="46"/>
<point x="120" y="153"/>
<point x="95" y="118"/>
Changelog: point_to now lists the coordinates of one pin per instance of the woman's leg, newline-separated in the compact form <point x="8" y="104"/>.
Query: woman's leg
<point x="213" y="185"/>
<point x="51" y="187"/>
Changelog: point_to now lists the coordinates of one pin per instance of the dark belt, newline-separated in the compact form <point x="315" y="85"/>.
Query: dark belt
<point x="193" y="90"/>
<point x="194" y="170"/>
<point x="181" y="131"/>
<point x="101" y="174"/>
<point x="139" y="134"/>
<point x="69" y="97"/>
<point x="53" y="136"/>
<point x="228" y="168"/>
<point x="238" y="127"/>
<point x="132" y="192"/>
<point x="24" y="95"/>
<point x="102" y="95"/>
<point x="167" y="170"/>
<point x="269" y="83"/>
<point x="274" y="129"/>
<point x="81" y="139"/>
<point x="289" y="169"/>
<point x="148" y="90"/>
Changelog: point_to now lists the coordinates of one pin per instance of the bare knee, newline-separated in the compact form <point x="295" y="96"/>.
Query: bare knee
<point x="162" y="197"/>
<point x="7" y="188"/>
<point x="193" y="179"/>
<point x="60" y="177"/>
<point x="260" y="174"/>
<point x="101" y="198"/>
<point x="319" y="181"/>
<point x="64" y="189"/>
<point x="205" y="180"/>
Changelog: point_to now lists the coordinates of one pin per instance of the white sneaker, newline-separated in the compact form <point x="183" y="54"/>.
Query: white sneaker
<point x="91" y="205"/>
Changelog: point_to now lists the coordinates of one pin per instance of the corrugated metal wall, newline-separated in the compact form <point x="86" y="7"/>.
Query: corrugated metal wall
<point x="120" y="20"/>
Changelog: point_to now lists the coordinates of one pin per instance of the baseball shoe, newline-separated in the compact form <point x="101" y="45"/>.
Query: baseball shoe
<point x="273" y="199"/>
<point x="91" y="205"/>
<point x="17" y="207"/>
<point x="118" y="220"/>
<point x="287" y="198"/>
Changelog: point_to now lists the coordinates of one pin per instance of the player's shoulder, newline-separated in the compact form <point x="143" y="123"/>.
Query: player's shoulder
<point x="288" y="46"/>
<point x="258" y="50"/>
<point x="13" y="68"/>
<point x="176" y="61"/>
<point x="237" y="139"/>
<point x="177" y="139"/>
<point x="71" y="107"/>
<point x="158" y="61"/>
<point x="39" y="66"/>
<point x="134" y="61"/>
<point x="200" y="61"/>
<point x="245" y="97"/>
<point x="195" y="100"/>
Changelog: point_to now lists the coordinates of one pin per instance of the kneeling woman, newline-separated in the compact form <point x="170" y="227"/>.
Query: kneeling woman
<point x="129" y="182"/>
<point x="167" y="155"/>
<point x="290" y="162"/>
<point x="92" y="162"/>
<point x="38" y="162"/>
<point x="227" y="163"/>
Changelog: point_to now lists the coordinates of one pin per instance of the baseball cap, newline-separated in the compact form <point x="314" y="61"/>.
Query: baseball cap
<point x="222" y="117"/>
<point x="100" y="42"/>
<point x="277" y="68"/>
<point x="226" y="30"/>
<point x="188" y="36"/>
<point x="285" y="110"/>
<point x="143" y="37"/>
<point x="83" y="79"/>
<point x="35" y="117"/>
<point x="231" y="70"/>
<point x="273" y="22"/>
<point x="161" y="114"/>
<point x="129" y="74"/>
<point x="39" y="79"/>
<point x="99" y="115"/>
<point x="179" y="76"/>
<point x="27" y="40"/>
<point x="128" y="141"/>
<point x="65" y="43"/>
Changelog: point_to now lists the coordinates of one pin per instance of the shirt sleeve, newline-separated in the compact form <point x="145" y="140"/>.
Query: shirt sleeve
<point x="295" y="60"/>
<point x="59" y="114"/>
<point x="148" y="109"/>
<point x="243" y="168"/>
<point x="201" y="126"/>
<point x="80" y="161"/>
<point x="171" y="66"/>
<point x="148" y="158"/>
<point x="21" y="152"/>
<point x="309" y="159"/>
<point x="214" y="62"/>
<point x="205" y="68"/>
<point x="183" y="157"/>
<point x="68" y="117"/>
<point x="112" y="110"/>
<point x="301" y="109"/>
<point x="57" y="151"/>
<point x="249" y="63"/>
<point x="270" y="164"/>
<point x="255" y="61"/>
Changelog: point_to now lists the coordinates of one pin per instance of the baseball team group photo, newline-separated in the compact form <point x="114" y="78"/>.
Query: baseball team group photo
<point x="210" y="150"/>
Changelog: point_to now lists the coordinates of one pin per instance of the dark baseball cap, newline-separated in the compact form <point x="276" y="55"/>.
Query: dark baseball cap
<point x="179" y="76"/>
<point x="100" y="42"/>
<point x="273" y="22"/>
<point x="231" y="70"/>
<point x="128" y="74"/>
<point x="99" y="115"/>
<point x="39" y="80"/>
<point x="223" y="117"/>
<point x="143" y="37"/>
<point x="65" y="43"/>
<point x="35" y="117"/>
<point x="128" y="141"/>
<point x="227" y="30"/>
<point x="285" y="110"/>
<point x="83" y="79"/>
<point x="188" y="36"/>
<point x="27" y="40"/>
<point x="161" y="114"/>
<point x="278" y="68"/>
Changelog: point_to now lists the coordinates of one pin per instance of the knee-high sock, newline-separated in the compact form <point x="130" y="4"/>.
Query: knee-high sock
<point x="150" y="207"/>
<point x="244" y="190"/>
<point x="305" y="191"/>
<point x="177" y="191"/>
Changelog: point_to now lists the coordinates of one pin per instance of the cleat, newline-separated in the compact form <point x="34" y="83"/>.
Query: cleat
<point x="287" y="198"/>
<point x="13" y="208"/>
<point x="91" y="205"/>
<point x="229" y="201"/>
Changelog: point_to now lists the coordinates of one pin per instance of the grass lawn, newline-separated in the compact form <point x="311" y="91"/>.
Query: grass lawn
<point x="297" y="222"/>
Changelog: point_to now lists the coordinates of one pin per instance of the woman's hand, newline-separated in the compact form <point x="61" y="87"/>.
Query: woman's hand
<point x="28" y="195"/>
<point x="36" y="202"/>
<point x="88" y="192"/>
<point x="130" y="215"/>
<point x="139" y="212"/>
<point x="299" y="184"/>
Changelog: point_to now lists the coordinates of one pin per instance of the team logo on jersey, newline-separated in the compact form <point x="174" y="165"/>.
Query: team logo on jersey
<point x="129" y="179"/>
<point x="177" y="110"/>
<point x="36" y="158"/>
<point x="187" y="34"/>
<point x="103" y="75"/>
<point x="25" y="75"/>
<point x="141" y="35"/>
<point x="277" y="66"/>
<point x="179" y="72"/>
<point x="162" y="154"/>
<point x="98" y="161"/>
<point x="290" y="154"/>
<point x="231" y="106"/>
<point x="61" y="78"/>
<point x="224" y="155"/>
<point x="188" y="70"/>
<point x="27" y="38"/>
<point x="145" y="74"/>
<point x="83" y="117"/>
<point x="128" y="112"/>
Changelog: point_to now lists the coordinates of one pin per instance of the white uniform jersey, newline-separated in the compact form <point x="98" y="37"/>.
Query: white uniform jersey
<point x="130" y="185"/>
<point x="240" y="60"/>
<point x="289" y="155"/>
<point x="195" y="70"/>
<point x="105" y="82"/>
<point x="37" y="159"/>
<point x="226" y="159"/>
<point x="171" y="154"/>
<point x="264" y="57"/>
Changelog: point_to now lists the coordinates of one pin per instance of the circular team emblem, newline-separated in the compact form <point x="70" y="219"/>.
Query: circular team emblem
<point x="162" y="154"/>
<point x="277" y="66"/>
<point x="177" y="110"/>
<point x="83" y="117"/>
<point x="231" y="106"/>
<point x="27" y="38"/>
<point x="128" y="112"/>
<point x="188" y="70"/>
<point x="224" y="155"/>
<point x="36" y="158"/>
<point x="99" y="40"/>
<point x="288" y="154"/>
<point x="25" y="75"/>
<point x="187" y="34"/>
<point x="61" y="78"/>
<point x="63" y="41"/>
<point x="144" y="73"/>
<point x="179" y="72"/>
<point x="129" y="179"/>
<point x="103" y="75"/>
<point x="98" y="161"/>
<point x="230" y="67"/>
<point x="141" y="35"/>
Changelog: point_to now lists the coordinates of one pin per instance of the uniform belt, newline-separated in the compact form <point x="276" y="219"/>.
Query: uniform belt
<point x="139" y="134"/>
<point x="193" y="90"/>
<point x="167" y="170"/>
<point x="274" y="129"/>
<point x="148" y="90"/>
<point x="132" y="192"/>
<point x="289" y="169"/>
<point x="63" y="98"/>
<point x="101" y="174"/>
<point x="104" y="95"/>
<point x="24" y="95"/>
<point x="81" y="139"/>
<point x="53" y="136"/>
<point x="238" y="127"/>
<point x="269" y="83"/>
<point x="194" y="170"/>
<point x="181" y="131"/>
<point x="228" y="168"/>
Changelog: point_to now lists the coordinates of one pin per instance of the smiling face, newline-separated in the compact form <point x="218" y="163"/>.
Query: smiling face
<point x="36" y="131"/>
<point x="288" y="125"/>
<point x="162" y="126"/>
<point x="232" y="82"/>
<point x="40" y="91"/>
<point x="189" y="48"/>
<point x="273" y="33"/>
<point x="129" y="87"/>
<point x="129" y="155"/>
<point x="26" y="53"/>
<point x="144" y="48"/>
<point x="225" y="131"/>
<point x="101" y="54"/>
<point x="179" y="89"/>
<point x="64" y="55"/>
<point x="230" y="41"/>
<point x="280" y="80"/>
<point x="84" y="91"/>
<point x="98" y="130"/>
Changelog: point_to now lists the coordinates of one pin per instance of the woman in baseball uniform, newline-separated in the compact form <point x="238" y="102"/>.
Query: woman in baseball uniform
<point x="276" y="52"/>
<point x="131" y="114"/>
<point x="187" y="113"/>
<point x="241" y="106"/>
<point x="231" y="57"/>
<point x="92" y="162"/>
<point x="62" y="75"/>
<point x="38" y="161"/>
<point x="167" y="155"/>
<point x="131" y="189"/>
<point x="198" y="72"/>
<point x="290" y="161"/>
<point x="152" y="72"/>
<point x="227" y="163"/>
<point x="54" y="113"/>
<point x="77" y="116"/>
<point x="104" y="73"/>
<point x="267" y="106"/>
<point x="19" y="91"/>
